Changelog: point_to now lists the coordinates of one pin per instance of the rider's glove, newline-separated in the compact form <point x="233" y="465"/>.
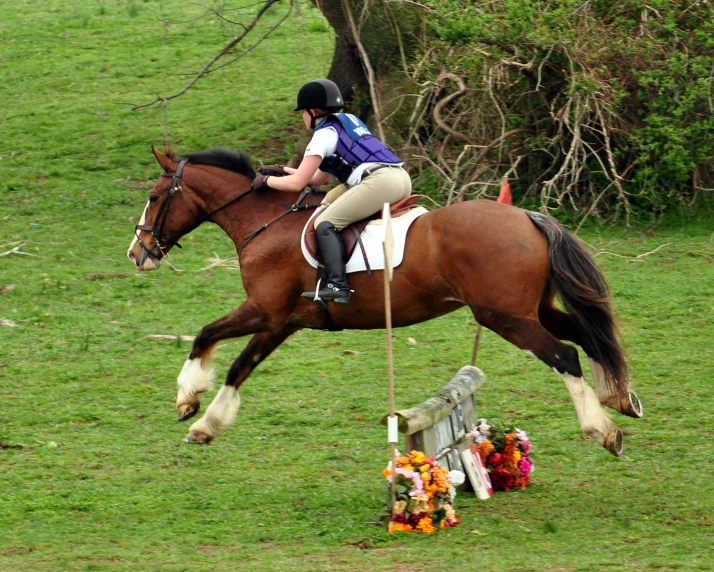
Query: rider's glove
<point x="259" y="183"/>
<point x="272" y="170"/>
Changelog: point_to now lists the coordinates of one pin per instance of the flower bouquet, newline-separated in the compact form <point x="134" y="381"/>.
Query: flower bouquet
<point x="425" y="494"/>
<point x="505" y="452"/>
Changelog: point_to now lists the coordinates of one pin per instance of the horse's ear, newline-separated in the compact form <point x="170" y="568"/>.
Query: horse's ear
<point x="166" y="163"/>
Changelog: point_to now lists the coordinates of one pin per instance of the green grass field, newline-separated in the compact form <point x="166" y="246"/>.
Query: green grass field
<point x="103" y="482"/>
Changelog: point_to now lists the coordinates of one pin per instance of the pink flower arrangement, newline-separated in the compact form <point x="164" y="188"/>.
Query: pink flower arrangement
<point x="505" y="453"/>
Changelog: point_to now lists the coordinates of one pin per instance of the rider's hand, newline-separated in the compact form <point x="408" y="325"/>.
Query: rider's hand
<point x="259" y="183"/>
<point x="272" y="170"/>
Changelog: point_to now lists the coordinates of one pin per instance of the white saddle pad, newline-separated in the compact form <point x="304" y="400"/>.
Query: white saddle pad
<point x="372" y="237"/>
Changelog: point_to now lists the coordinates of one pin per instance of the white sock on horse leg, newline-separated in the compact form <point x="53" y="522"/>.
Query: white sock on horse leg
<point x="604" y="392"/>
<point x="192" y="380"/>
<point x="594" y="420"/>
<point x="220" y="413"/>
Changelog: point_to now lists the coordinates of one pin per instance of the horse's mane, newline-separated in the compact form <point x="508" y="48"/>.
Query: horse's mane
<point x="236" y="161"/>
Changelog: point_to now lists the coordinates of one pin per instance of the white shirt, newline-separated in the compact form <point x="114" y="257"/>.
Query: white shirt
<point x="324" y="144"/>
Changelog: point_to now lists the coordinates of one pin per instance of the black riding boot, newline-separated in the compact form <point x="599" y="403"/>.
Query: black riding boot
<point x="333" y="286"/>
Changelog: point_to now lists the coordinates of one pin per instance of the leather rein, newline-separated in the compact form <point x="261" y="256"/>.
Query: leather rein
<point x="164" y="242"/>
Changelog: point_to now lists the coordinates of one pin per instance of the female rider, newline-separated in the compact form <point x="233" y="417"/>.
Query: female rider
<point x="369" y="173"/>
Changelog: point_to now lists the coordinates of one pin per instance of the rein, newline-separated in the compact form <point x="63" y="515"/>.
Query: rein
<point x="164" y="242"/>
<point x="291" y="209"/>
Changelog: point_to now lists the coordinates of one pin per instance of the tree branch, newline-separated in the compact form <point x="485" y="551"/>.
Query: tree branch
<point x="16" y="250"/>
<point x="368" y="68"/>
<point x="436" y="112"/>
<point x="239" y="56"/>
<point x="226" y="49"/>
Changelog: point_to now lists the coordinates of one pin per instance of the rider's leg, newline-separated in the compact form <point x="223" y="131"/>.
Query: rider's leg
<point x="387" y="185"/>
<point x="333" y="194"/>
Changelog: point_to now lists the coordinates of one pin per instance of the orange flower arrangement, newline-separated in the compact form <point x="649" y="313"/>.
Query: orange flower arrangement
<point x="425" y="493"/>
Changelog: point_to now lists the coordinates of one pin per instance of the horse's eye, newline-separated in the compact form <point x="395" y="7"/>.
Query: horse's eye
<point x="153" y="198"/>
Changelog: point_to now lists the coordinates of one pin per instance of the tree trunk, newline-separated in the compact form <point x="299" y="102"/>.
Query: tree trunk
<point x="380" y="42"/>
<point x="346" y="70"/>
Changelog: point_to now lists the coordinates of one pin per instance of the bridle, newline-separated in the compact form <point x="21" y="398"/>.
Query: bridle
<point x="164" y="242"/>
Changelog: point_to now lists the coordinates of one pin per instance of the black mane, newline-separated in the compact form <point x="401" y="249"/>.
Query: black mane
<point x="236" y="161"/>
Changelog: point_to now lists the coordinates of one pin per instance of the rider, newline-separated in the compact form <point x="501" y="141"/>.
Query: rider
<point x="369" y="173"/>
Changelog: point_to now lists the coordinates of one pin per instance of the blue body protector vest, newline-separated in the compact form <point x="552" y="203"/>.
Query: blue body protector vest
<point x="355" y="145"/>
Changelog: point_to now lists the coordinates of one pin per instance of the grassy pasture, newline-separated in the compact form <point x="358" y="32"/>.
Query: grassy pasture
<point x="103" y="482"/>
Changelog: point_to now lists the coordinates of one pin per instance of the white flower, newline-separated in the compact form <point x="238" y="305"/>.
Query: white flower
<point x="452" y="493"/>
<point x="484" y="428"/>
<point x="456" y="478"/>
<point x="396" y="454"/>
<point x="477" y="434"/>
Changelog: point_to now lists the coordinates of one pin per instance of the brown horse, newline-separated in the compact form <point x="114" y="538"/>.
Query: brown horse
<point x="506" y="264"/>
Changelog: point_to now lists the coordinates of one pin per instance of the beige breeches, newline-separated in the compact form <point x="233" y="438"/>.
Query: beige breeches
<point x="350" y="204"/>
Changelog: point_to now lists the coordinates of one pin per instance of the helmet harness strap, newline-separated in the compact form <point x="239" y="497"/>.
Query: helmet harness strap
<point x="314" y="118"/>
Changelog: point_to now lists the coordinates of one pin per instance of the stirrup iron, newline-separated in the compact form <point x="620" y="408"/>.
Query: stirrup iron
<point x="319" y="301"/>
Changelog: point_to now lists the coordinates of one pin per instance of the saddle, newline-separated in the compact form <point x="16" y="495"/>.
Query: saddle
<point x="350" y="234"/>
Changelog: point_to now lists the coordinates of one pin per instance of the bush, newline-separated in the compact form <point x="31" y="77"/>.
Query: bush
<point x="596" y="107"/>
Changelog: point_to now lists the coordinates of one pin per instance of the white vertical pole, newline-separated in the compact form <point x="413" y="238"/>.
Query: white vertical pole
<point x="392" y="422"/>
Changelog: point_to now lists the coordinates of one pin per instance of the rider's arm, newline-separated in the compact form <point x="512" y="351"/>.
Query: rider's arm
<point x="307" y="173"/>
<point x="320" y="177"/>
<point x="322" y="144"/>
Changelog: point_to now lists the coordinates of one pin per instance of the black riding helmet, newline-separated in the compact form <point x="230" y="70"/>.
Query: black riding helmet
<point x="320" y="94"/>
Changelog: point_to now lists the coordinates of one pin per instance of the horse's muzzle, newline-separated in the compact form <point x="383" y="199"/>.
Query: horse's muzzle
<point x="147" y="260"/>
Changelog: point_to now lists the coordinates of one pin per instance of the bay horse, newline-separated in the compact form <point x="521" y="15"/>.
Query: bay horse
<point x="505" y="263"/>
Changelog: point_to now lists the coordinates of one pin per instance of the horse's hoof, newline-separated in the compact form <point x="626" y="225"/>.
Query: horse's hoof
<point x="197" y="438"/>
<point x="188" y="410"/>
<point x="615" y="442"/>
<point x="633" y="407"/>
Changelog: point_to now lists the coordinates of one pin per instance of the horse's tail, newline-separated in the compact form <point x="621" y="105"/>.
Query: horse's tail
<point x="573" y="275"/>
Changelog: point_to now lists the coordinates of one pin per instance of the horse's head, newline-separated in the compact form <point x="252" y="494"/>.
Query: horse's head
<point x="168" y="215"/>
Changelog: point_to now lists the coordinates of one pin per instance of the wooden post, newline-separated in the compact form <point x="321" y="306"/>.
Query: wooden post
<point x="503" y="197"/>
<point x="478" y="339"/>
<point x="392" y="426"/>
